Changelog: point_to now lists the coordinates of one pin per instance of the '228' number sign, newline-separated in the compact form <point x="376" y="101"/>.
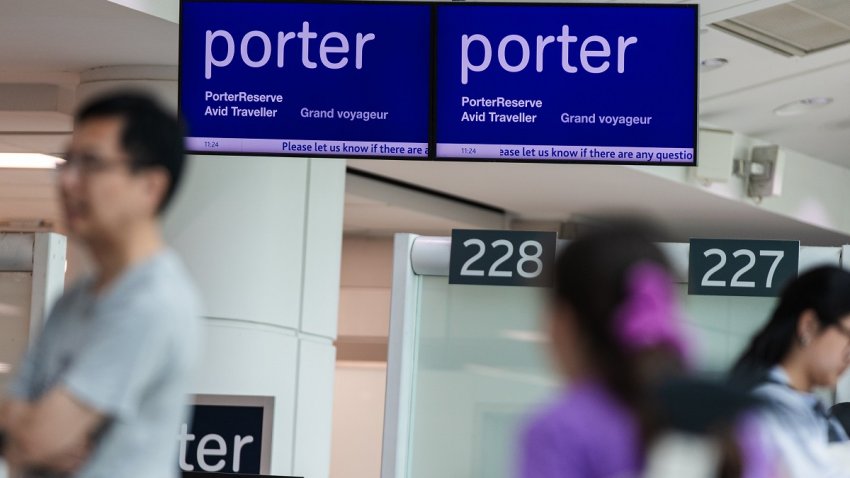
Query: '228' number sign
<point x="517" y="258"/>
<point x="741" y="268"/>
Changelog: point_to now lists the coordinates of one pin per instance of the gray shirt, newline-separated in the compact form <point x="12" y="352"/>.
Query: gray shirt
<point x="799" y="431"/>
<point x="128" y="353"/>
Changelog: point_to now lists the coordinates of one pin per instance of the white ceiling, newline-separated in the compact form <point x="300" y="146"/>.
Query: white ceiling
<point x="372" y="217"/>
<point x="743" y="95"/>
<point x="376" y="207"/>
<point x="45" y="41"/>
<point x="589" y="190"/>
<point x="27" y="196"/>
<point x="63" y="36"/>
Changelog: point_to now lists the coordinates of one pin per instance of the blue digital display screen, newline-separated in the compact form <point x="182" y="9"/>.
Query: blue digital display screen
<point x="449" y="81"/>
<point x="314" y="79"/>
<point x="567" y="83"/>
<point x="578" y="83"/>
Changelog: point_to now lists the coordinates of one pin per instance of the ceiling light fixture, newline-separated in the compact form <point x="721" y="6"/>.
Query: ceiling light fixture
<point x="5" y="368"/>
<point x="711" y="64"/>
<point x="802" y="106"/>
<point x="29" y="161"/>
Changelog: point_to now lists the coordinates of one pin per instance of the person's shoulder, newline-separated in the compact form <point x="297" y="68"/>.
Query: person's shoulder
<point x="783" y="402"/>
<point x="74" y="293"/>
<point x="547" y="422"/>
<point x="167" y="273"/>
<point x="166" y="292"/>
<point x="76" y="290"/>
<point x="572" y="410"/>
<point x="582" y="424"/>
<point x="172" y="275"/>
<point x="776" y="393"/>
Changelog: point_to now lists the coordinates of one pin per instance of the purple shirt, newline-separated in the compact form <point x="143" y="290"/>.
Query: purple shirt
<point x="584" y="433"/>
<point x="587" y="433"/>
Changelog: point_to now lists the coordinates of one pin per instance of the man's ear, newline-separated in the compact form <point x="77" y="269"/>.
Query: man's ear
<point x="157" y="182"/>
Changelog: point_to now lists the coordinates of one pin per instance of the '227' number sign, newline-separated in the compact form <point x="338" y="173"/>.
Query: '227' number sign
<point x="517" y="258"/>
<point x="741" y="268"/>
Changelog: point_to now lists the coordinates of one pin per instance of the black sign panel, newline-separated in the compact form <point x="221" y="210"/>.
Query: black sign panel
<point x="223" y="439"/>
<point x="516" y="258"/>
<point x="741" y="268"/>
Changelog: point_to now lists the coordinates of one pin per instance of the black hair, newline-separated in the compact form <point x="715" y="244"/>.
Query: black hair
<point x="824" y="290"/>
<point x="151" y="135"/>
<point x="591" y="278"/>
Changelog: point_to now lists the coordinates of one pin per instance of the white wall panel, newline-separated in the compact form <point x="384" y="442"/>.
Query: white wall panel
<point x="262" y="237"/>
<point x="314" y="409"/>
<point x="239" y="225"/>
<point x="323" y="247"/>
<point x="254" y="360"/>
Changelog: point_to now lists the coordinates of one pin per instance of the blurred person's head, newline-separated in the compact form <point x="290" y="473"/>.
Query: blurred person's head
<point x="122" y="166"/>
<point x="613" y="300"/>
<point x="616" y="319"/>
<point x="614" y="315"/>
<point x="809" y="331"/>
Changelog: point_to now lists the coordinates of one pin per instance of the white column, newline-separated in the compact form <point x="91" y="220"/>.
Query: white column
<point x="262" y="236"/>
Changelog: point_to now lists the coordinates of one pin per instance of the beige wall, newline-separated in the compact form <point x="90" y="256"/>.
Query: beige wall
<point x="364" y="300"/>
<point x="358" y="419"/>
<point x="360" y="382"/>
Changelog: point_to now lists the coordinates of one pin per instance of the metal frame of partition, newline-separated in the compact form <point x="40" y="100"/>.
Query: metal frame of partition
<point x="416" y="256"/>
<point x="43" y="255"/>
<point x="398" y="403"/>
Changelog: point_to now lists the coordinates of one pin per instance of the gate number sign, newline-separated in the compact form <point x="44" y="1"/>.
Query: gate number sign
<point x="512" y="258"/>
<point x="741" y="268"/>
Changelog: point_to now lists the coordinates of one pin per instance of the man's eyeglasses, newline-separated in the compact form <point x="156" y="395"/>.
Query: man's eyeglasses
<point x="88" y="164"/>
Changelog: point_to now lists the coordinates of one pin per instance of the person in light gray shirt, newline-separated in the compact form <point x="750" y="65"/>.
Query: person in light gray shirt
<point x="102" y="392"/>
<point x="805" y="345"/>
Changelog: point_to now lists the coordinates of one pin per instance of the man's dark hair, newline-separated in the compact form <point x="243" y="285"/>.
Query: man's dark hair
<point x="151" y="135"/>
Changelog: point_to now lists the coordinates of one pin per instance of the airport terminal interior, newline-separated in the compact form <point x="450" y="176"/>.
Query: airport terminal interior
<point x="346" y="161"/>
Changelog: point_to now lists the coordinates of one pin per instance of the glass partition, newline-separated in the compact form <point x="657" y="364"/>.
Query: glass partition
<point x="479" y="366"/>
<point x="720" y="327"/>
<point x="15" y="298"/>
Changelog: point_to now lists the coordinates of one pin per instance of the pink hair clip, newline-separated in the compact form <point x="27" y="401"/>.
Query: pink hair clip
<point x="650" y="315"/>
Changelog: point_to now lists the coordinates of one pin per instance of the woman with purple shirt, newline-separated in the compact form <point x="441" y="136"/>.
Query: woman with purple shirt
<point x="615" y="334"/>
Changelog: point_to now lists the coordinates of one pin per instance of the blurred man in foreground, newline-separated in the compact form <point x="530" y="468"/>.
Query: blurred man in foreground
<point x="102" y="391"/>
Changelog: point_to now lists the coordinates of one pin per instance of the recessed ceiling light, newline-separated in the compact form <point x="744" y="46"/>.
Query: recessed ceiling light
<point x="28" y="161"/>
<point x="711" y="64"/>
<point x="802" y="106"/>
<point x="5" y="368"/>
